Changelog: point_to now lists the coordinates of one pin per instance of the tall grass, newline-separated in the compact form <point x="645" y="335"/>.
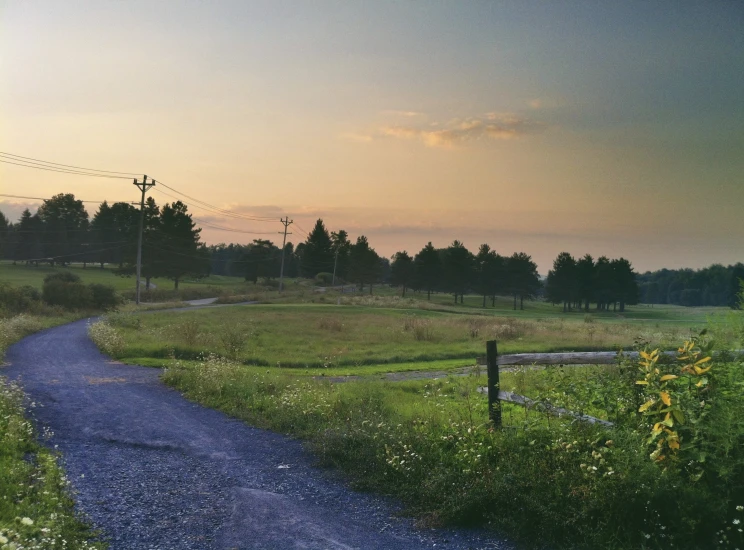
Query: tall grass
<point x="541" y="480"/>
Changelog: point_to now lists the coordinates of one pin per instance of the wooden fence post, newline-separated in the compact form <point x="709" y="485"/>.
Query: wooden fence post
<point x="494" y="405"/>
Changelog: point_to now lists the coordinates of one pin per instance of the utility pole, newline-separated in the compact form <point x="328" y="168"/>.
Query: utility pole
<point x="335" y="263"/>
<point x="287" y="222"/>
<point x="142" y="186"/>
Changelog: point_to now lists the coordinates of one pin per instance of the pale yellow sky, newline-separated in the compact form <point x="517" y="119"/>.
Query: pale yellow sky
<point x="404" y="124"/>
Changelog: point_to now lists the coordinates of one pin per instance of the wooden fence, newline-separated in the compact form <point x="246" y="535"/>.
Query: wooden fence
<point x="496" y="396"/>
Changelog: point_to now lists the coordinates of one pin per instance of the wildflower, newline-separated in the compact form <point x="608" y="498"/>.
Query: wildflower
<point x="27" y="521"/>
<point x="739" y="508"/>
<point x="3" y="540"/>
<point x="736" y="522"/>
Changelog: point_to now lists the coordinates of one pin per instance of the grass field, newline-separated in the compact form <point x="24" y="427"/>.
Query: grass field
<point x="367" y="339"/>
<point x="21" y="274"/>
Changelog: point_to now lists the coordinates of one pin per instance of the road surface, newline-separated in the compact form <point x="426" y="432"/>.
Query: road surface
<point x="152" y="470"/>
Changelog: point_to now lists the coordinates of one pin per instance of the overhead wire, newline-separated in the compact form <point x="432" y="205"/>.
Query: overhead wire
<point x="65" y="170"/>
<point x="43" y="199"/>
<point x="35" y="160"/>
<point x="217" y="209"/>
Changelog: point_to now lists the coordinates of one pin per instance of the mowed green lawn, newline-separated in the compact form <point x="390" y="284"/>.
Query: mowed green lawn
<point x="21" y="274"/>
<point x="347" y="339"/>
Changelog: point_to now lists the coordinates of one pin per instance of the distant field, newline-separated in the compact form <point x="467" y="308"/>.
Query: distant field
<point x="347" y="339"/>
<point x="28" y="275"/>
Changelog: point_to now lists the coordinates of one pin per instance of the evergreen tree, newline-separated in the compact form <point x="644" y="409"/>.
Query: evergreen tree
<point x="364" y="264"/>
<point x="524" y="281"/>
<point x="458" y="267"/>
<point x="490" y="272"/>
<point x="29" y="231"/>
<point x="181" y="253"/>
<point x="625" y="286"/>
<point x="104" y="235"/>
<point x="562" y="285"/>
<point x="585" y="279"/>
<point x="428" y="269"/>
<point x="318" y="254"/>
<point x="341" y="247"/>
<point x="402" y="270"/>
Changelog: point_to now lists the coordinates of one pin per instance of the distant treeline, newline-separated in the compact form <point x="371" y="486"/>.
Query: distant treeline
<point x="60" y="232"/>
<point x="716" y="285"/>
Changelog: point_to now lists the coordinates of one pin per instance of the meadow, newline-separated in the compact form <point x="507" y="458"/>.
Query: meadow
<point x="358" y="339"/>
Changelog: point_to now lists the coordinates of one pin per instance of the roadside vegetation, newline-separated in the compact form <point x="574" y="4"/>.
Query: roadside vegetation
<point x="36" y="510"/>
<point x="669" y="473"/>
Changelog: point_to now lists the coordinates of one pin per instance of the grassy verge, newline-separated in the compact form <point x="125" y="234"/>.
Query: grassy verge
<point x="36" y="510"/>
<point x="544" y="481"/>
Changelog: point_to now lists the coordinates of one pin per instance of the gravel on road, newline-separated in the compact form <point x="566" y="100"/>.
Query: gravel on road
<point x="153" y="470"/>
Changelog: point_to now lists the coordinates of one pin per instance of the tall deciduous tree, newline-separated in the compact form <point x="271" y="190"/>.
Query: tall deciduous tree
<point x="65" y="224"/>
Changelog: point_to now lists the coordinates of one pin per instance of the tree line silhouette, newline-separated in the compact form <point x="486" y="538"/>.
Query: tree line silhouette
<point x="60" y="232"/>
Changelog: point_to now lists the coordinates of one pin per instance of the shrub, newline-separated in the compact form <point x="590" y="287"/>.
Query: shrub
<point x="234" y="340"/>
<point x="66" y="293"/>
<point x="64" y="276"/>
<point x="103" y="296"/>
<point x="24" y="299"/>
<point x="324" y="279"/>
<point x="65" y="289"/>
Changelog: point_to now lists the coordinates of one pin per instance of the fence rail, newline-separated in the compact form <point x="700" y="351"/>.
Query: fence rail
<point x="495" y="396"/>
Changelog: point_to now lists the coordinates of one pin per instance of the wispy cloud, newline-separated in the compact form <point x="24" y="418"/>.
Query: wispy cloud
<point x="406" y="114"/>
<point x="495" y="126"/>
<point x="357" y="137"/>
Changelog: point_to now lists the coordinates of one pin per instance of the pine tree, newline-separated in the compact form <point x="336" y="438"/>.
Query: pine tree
<point x="428" y="269"/>
<point x="317" y="255"/>
<point x="402" y="270"/>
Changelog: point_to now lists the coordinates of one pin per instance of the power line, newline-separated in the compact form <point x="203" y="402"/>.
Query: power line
<point x="3" y="153"/>
<point x="206" y="205"/>
<point x="65" y="171"/>
<point x="43" y="199"/>
<point x="212" y="211"/>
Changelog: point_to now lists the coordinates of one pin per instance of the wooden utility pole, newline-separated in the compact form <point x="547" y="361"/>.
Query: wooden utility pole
<point x="287" y="222"/>
<point x="142" y="186"/>
<point x="335" y="263"/>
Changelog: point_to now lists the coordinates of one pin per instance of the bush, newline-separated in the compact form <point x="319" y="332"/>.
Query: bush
<point x="103" y="296"/>
<point x="64" y="276"/>
<point x="65" y="289"/>
<point x="324" y="279"/>
<point x="67" y="294"/>
<point x="24" y="299"/>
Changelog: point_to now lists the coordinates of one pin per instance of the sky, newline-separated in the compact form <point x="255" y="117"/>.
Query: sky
<point x="608" y="128"/>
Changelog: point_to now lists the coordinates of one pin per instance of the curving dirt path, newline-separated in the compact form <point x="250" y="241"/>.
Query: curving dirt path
<point x="154" y="471"/>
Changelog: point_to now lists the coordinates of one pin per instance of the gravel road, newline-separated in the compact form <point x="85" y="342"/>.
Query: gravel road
<point x="152" y="470"/>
